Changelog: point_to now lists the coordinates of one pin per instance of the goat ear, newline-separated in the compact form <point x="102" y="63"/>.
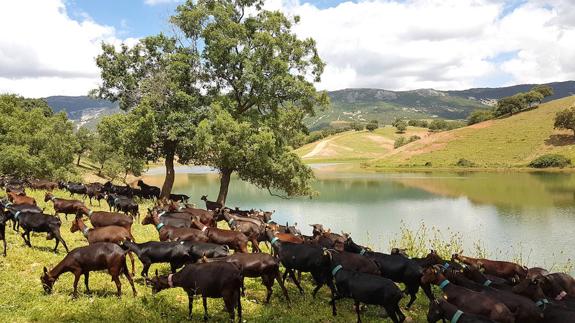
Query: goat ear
<point x="45" y="270"/>
<point x="156" y="273"/>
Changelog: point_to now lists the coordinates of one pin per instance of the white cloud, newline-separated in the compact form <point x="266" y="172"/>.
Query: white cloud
<point x="444" y="44"/>
<point x="156" y="2"/>
<point x="45" y="52"/>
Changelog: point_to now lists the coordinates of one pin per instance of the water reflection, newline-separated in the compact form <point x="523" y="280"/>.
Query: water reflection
<point x="529" y="213"/>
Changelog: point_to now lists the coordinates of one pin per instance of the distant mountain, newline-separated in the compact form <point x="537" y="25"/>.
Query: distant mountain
<point x="83" y="110"/>
<point x="383" y="105"/>
<point x="351" y="104"/>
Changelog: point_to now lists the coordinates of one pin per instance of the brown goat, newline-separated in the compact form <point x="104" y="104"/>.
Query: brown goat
<point x="503" y="269"/>
<point x="233" y="239"/>
<point x="80" y="261"/>
<point x="104" y="218"/>
<point x="109" y="233"/>
<point x="63" y="205"/>
<point x="17" y="199"/>
<point x="169" y="233"/>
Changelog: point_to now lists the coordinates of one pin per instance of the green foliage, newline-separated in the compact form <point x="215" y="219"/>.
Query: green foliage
<point x="35" y="142"/>
<point x="550" y="160"/>
<point x="465" y="163"/>
<point x="324" y="133"/>
<point x="372" y="125"/>
<point x="400" y="125"/>
<point x="479" y="115"/>
<point x="402" y="141"/>
<point x="357" y="126"/>
<point x="533" y="98"/>
<point x="418" y="123"/>
<point x="443" y="125"/>
<point x="565" y="119"/>
<point x="85" y="139"/>
<point x="544" y="90"/>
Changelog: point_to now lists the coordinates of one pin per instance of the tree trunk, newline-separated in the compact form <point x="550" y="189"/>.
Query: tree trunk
<point x="78" y="162"/>
<point x="226" y="175"/>
<point x="170" y="172"/>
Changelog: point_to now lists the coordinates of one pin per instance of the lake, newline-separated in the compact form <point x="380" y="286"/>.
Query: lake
<point x="511" y="214"/>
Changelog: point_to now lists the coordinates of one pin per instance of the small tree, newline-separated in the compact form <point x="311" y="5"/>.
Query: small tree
<point x="400" y="125"/>
<point x="372" y="125"/>
<point x="533" y="98"/>
<point x="357" y="126"/>
<point x="479" y="115"/>
<point x="544" y="90"/>
<point x="511" y="104"/>
<point x="565" y="119"/>
<point x="85" y="139"/>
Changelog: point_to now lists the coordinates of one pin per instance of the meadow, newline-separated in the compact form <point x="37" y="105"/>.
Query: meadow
<point x="24" y="300"/>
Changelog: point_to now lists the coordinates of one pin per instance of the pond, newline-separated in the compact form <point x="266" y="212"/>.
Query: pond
<point x="510" y="214"/>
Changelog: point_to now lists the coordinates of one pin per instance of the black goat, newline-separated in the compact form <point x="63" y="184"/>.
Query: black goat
<point x="38" y="222"/>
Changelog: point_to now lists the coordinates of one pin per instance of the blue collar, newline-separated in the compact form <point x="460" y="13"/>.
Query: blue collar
<point x="542" y="302"/>
<point x="90" y="213"/>
<point x="274" y="240"/>
<point x="445" y="266"/>
<point x="487" y="283"/>
<point x="336" y="269"/>
<point x="456" y="316"/>
<point x="159" y="226"/>
<point x="231" y="221"/>
<point x="116" y="200"/>
<point x="162" y="213"/>
<point x="443" y="284"/>
<point x="85" y="231"/>
<point x="16" y="215"/>
<point x="362" y="252"/>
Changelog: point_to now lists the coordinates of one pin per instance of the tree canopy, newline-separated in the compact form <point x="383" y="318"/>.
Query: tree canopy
<point x="35" y="141"/>
<point x="230" y="89"/>
<point x="565" y="119"/>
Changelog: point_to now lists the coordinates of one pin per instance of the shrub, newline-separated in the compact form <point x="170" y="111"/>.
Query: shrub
<point x="565" y="119"/>
<point x="442" y="125"/>
<point x="479" y="115"/>
<point x="402" y="141"/>
<point x="371" y="126"/>
<point x="418" y="123"/>
<point x="465" y="163"/>
<point x="550" y="160"/>
<point x="357" y="126"/>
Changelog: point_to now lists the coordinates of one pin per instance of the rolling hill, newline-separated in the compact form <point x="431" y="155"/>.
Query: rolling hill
<point x="508" y="142"/>
<point x="83" y="110"/>
<point x="502" y="143"/>
<point x="367" y="104"/>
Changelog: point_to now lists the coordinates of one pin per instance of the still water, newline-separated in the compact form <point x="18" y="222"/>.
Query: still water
<point x="512" y="214"/>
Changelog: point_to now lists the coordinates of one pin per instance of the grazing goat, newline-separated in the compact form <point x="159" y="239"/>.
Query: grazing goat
<point x="81" y="261"/>
<point x="211" y="205"/>
<point x="233" y="239"/>
<point x="104" y="219"/>
<point x="38" y="222"/>
<point x="63" y="205"/>
<point x="18" y="199"/>
<point x="213" y="280"/>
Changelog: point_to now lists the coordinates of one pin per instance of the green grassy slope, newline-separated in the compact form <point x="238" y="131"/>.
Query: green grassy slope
<point x="354" y="145"/>
<point x="507" y="142"/>
<point x="23" y="299"/>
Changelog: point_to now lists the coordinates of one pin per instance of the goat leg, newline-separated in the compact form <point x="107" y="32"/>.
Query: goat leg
<point x="86" y="281"/>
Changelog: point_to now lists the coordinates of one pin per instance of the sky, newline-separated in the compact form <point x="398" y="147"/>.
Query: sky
<point x="48" y="47"/>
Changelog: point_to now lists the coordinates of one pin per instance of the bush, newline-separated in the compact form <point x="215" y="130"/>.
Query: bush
<point x="442" y="125"/>
<point x="371" y="126"/>
<point x="479" y="115"/>
<point x="550" y="160"/>
<point x="465" y="163"/>
<point x="418" y="123"/>
<point x="402" y="141"/>
<point x="357" y="126"/>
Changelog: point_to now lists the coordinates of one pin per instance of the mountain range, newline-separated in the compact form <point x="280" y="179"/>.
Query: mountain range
<point x="351" y="105"/>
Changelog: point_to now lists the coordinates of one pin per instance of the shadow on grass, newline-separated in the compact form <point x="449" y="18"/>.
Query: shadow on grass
<point x="560" y="140"/>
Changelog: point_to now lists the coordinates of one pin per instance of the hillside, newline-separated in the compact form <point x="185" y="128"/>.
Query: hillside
<point x="367" y="104"/>
<point x="507" y="142"/>
<point x="83" y="110"/>
<point x="355" y="145"/>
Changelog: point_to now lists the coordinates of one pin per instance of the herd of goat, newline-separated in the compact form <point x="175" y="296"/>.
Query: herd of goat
<point x="474" y="290"/>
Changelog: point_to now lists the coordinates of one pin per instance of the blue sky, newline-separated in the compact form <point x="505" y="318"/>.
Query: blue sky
<point x="389" y="44"/>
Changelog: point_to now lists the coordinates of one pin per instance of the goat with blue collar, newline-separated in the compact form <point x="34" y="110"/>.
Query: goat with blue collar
<point x="440" y="309"/>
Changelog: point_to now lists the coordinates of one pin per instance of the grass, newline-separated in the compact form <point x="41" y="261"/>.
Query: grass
<point x="355" y="146"/>
<point x="23" y="299"/>
<point x="502" y="143"/>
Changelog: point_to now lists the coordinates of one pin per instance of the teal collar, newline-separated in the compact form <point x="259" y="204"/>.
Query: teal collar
<point x="443" y="284"/>
<point x="445" y="266"/>
<point x="85" y="231"/>
<point x="8" y="204"/>
<point x="162" y="213"/>
<point x="336" y="269"/>
<point x="362" y="252"/>
<point x="456" y="316"/>
<point x="542" y="302"/>
<point x="487" y="283"/>
<point x="116" y="200"/>
<point x="274" y="240"/>
<point x="16" y="215"/>
<point x="90" y="213"/>
<point x="231" y="221"/>
<point x="159" y="226"/>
